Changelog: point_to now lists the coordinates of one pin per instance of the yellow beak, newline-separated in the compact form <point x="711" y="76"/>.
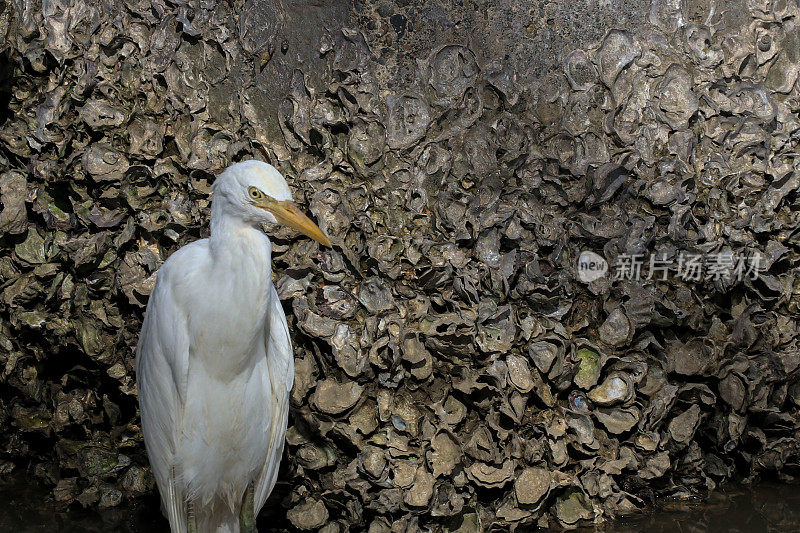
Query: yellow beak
<point x="288" y="214"/>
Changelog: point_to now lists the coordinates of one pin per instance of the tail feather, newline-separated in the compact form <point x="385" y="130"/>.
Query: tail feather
<point x="220" y="519"/>
<point x="173" y="503"/>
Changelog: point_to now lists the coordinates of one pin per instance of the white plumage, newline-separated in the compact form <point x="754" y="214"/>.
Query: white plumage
<point x="214" y="361"/>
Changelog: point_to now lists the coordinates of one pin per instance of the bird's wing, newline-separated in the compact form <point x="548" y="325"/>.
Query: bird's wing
<point x="280" y="369"/>
<point x="162" y="361"/>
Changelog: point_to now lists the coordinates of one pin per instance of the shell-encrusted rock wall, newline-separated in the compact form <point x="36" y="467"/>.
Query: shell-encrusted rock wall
<point x="453" y="370"/>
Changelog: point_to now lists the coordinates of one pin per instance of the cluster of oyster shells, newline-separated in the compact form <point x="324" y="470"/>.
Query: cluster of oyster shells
<point x="453" y="371"/>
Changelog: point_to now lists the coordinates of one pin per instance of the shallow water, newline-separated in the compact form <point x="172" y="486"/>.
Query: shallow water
<point x="761" y="508"/>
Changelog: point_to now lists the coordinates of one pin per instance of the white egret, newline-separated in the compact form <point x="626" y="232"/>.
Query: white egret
<point x="214" y="361"/>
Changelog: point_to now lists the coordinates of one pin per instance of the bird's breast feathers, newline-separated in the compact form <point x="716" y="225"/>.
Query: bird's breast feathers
<point x="226" y="305"/>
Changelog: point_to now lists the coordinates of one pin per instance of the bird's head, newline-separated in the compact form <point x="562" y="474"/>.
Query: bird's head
<point x="258" y="193"/>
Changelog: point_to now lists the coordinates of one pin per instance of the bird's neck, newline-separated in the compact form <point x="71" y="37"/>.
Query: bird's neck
<point x="234" y="239"/>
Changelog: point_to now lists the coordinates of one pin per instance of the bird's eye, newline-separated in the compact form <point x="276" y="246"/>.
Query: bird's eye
<point x="255" y="193"/>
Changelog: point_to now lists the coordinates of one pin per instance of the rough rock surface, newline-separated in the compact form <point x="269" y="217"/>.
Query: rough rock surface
<point x="453" y="369"/>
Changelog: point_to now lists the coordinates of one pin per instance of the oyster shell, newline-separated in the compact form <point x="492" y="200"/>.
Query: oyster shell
<point x="451" y="368"/>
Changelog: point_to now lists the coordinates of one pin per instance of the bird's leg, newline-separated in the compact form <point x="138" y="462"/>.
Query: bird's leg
<point x="247" y="519"/>
<point x="191" y="518"/>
